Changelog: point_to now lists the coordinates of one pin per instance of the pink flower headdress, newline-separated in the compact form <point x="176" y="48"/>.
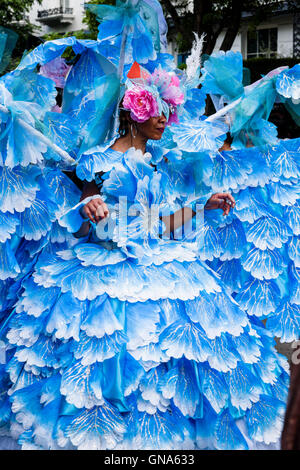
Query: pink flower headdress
<point x="149" y="95"/>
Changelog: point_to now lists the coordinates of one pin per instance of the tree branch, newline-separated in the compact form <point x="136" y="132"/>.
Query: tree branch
<point x="236" y="9"/>
<point x="171" y="9"/>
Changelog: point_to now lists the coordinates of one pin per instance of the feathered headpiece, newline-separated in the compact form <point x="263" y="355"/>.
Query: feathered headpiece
<point x="149" y="95"/>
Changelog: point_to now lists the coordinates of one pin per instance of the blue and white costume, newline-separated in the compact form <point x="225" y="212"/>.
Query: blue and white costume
<point x="126" y="339"/>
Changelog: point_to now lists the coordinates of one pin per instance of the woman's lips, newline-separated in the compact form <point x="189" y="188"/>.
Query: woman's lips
<point x="161" y="129"/>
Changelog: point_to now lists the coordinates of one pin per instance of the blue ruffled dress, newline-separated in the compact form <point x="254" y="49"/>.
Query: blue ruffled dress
<point x="127" y="340"/>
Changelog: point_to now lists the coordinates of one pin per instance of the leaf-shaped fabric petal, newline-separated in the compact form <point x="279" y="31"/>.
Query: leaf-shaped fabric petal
<point x="24" y="330"/>
<point x="285" y="164"/>
<point x="262" y="419"/>
<point x="23" y="146"/>
<point x="93" y="254"/>
<point x="142" y="320"/>
<point x="227" y="434"/>
<point x="201" y="135"/>
<point x="244" y="387"/>
<point x="63" y="130"/>
<point x="8" y="264"/>
<point x="231" y="170"/>
<point x="214" y="387"/>
<point x="288" y="83"/>
<point x="27" y="85"/>
<point x="268" y="232"/>
<point x="284" y="194"/>
<point x="8" y="223"/>
<point x="285" y="322"/>
<point x="100" y="319"/>
<point x="294" y="251"/>
<point x="208" y="242"/>
<point x="250" y="205"/>
<point x="230" y="272"/>
<point x="233" y="240"/>
<point x="292" y="217"/>
<point x="258" y="297"/>
<point x="41" y="354"/>
<point x="65" y="317"/>
<point x="81" y="385"/>
<point x="92" y="349"/>
<point x="263" y="264"/>
<point x="98" y="159"/>
<point x="216" y="314"/>
<point x="36" y="220"/>
<point x="98" y="428"/>
<point x="36" y="299"/>
<point x="223" y="356"/>
<point x="180" y="384"/>
<point x="162" y="430"/>
<point x="18" y="188"/>
<point x="187" y="340"/>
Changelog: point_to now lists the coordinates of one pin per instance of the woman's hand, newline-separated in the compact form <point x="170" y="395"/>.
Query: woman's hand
<point x="95" y="210"/>
<point x="222" y="201"/>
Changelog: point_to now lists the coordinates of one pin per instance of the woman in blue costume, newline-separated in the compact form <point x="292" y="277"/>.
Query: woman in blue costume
<point x="127" y="340"/>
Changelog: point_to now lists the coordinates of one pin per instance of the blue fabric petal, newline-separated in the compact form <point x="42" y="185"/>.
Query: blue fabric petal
<point x="265" y="413"/>
<point x="285" y="322"/>
<point x="201" y="135"/>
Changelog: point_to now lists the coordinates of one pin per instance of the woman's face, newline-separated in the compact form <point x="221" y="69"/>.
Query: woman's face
<point x="153" y="128"/>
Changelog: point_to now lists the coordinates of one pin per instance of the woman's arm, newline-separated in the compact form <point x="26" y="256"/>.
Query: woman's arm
<point x="222" y="201"/>
<point x="94" y="210"/>
<point x="178" y="219"/>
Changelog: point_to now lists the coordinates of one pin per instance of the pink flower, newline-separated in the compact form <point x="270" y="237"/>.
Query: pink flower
<point x="175" y="81"/>
<point x="57" y="70"/>
<point x="141" y="104"/>
<point x="174" y="96"/>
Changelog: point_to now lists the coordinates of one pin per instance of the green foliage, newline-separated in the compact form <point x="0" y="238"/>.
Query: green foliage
<point x="69" y="55"/>
<point x="90" y="18"/>
<point x="13" y="15"/>
<point x="213" y="16"/>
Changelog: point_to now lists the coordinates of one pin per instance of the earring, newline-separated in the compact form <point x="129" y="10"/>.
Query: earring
<point x="133" y="126"/>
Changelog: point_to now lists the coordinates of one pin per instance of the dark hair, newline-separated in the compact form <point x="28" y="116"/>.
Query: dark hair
<point x="286" y="126"/>
<point x="229" y="139"/>
<point x="124" y="126"/>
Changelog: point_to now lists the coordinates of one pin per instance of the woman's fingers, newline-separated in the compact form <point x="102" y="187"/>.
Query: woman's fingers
<point x="96" y="210"/>
<point x="100" y="213"/>
<point x="227" y="197"/>
<point x="101" y="209"/>
<point x="226" y="208"/>
<point x="89" y="213"/>
<point x="231" y="199"/>
<point x="105" y="209"/>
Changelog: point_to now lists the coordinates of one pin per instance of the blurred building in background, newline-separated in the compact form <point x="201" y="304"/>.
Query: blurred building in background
<point x="278" y="36"/>
<point x="57" y="16"/>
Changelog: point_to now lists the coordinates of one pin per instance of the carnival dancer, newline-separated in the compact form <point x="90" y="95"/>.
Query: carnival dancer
<point x="126" y="339"/>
